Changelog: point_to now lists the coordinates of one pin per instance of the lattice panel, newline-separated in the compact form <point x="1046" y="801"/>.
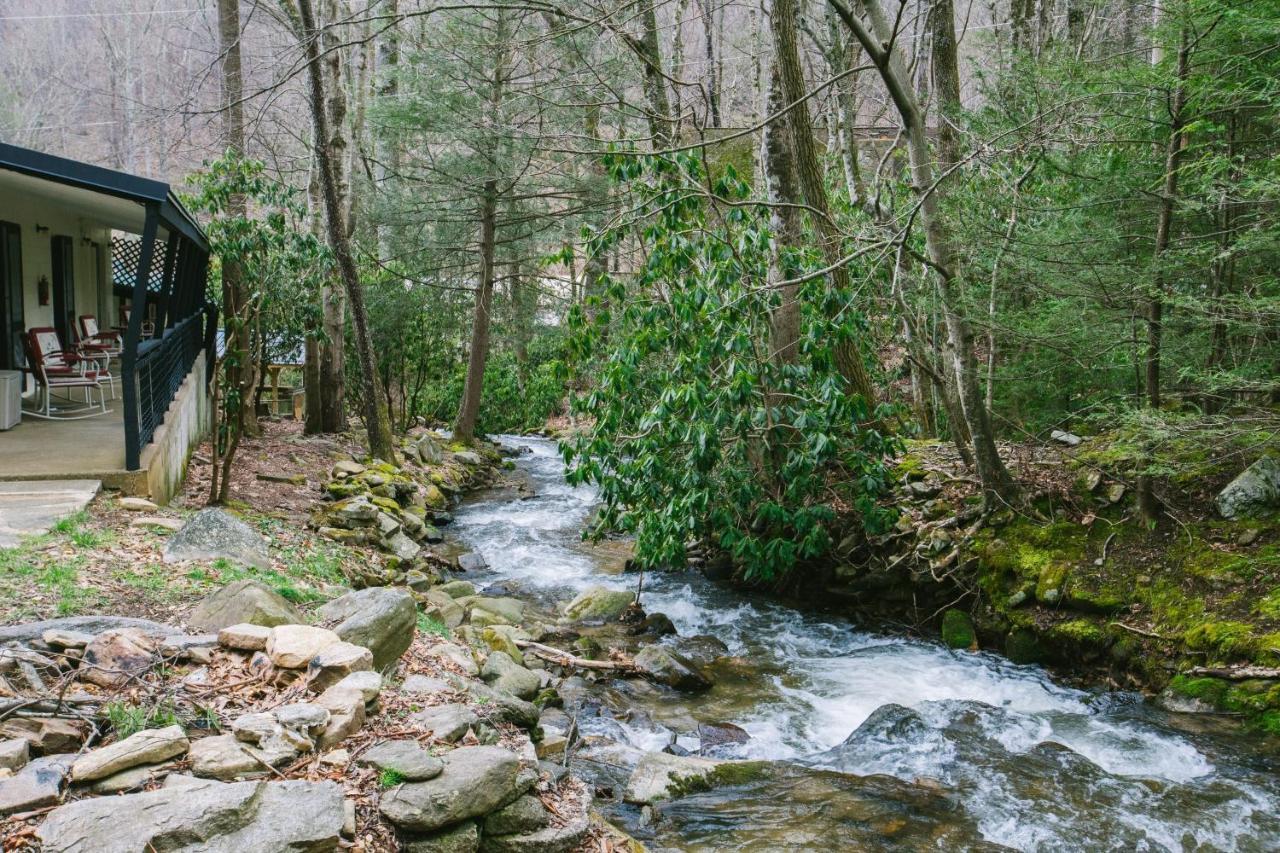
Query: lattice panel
<point x="125" y="254"/>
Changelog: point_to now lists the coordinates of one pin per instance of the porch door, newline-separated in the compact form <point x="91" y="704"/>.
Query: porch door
<point x="12" y="321"/>
<point x="64" y="290"/>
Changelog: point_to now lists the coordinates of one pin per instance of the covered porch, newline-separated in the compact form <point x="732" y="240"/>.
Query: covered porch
<point x="79" y="241"/>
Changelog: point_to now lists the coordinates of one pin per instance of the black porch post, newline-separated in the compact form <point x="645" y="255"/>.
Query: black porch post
<point x="165" y="314"/>
<point x="129" y="358"/>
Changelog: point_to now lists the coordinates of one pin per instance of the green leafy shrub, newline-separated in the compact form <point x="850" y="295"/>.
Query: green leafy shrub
<point x="699" y="432"/>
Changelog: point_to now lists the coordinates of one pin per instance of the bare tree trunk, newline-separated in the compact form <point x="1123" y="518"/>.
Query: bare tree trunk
<point x="1021" y="18"/>
<point x="997" y="485"/>
<point x="333" y="302"/>
<point x="842" y="56"/>
<point x="655" y="82"/>
<point x="380" y="441"/>
<point x="784" y="24"/>
<point x="238" y="363"/>
<point x="388" y="152"/>
<point x="708" y="41"/>
<point x="1148" y="504"/>
<point x="464" y="428"/>
<point x="784" y="223"/>
<point x="325" y="378"/>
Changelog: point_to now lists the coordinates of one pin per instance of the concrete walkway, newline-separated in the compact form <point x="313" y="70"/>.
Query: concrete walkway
<point x="29" y="508"/>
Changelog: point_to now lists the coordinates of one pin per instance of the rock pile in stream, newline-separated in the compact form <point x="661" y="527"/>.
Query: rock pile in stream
<point x="398" y="509"/>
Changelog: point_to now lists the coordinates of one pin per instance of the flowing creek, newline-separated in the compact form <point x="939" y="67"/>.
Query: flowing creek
<point x="883" y="742"/>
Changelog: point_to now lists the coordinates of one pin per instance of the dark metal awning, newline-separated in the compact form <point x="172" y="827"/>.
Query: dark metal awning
<point x="96" y="179"/>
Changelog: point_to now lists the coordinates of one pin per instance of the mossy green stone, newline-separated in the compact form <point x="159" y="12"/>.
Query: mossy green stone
<point x="957" y="629"/>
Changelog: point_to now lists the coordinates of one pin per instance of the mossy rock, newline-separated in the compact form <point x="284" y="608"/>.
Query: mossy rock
<point x="957" y="630"/>
<point x="1022" y="645"/>
<point x="502" y="638"/>
<point x="434" y="498"/>
<point x="723" y="775"/>
<point x="387" y="505"/>
<point x="1258" y="700"/>
<point x="1224" y="640"/>
<point x="1051" y="583"/>
<point x="1078" y="597"/>
<point x="342" y="489"/>
<point x="1076" y="640"/>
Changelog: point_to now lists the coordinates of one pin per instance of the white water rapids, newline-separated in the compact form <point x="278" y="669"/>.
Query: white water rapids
<point x="1034" y="765"/>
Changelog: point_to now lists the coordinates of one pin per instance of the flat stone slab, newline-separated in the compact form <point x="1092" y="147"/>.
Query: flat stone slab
<point x="31" y="507"/>
<point x="202" y="817"/>
<point x="85" y="625"/>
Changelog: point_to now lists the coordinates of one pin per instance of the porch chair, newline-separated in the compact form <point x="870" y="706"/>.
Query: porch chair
<point x="55" y="368"/>
<point x="110" y="341"/>
<point x="101" y="347"/>
<point x="148" y="328"/>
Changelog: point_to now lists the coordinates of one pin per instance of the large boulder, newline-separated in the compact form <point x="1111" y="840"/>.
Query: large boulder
<point x="405" y="758"/>
<point x="244" y="602"/>
<point x="495" y="611"/>
<point x="455" y="656"/>
<point x="660" y="776"/>
<point x="512" y="709"/>
<point x="476" y="780"/>
<point x="46" y="735"/>
<point x="1256" y="490"/>
<point x="599" y="604"/>
<point x="294" y="646"/>
<point x="202" y="817"/>
<point x="381" y="619"/>
<point x="664" y="666"/>
<point x="224" y="757"/>
<point x="214" y="534"/>
<point x="562" y="837"/>
<point x="441" y="607"/>
<point x="463" y="838"/>
<point x="446" y="722"/>
<point x="335" y="663"/>
<point x="700" y="649"/>
<point x="524" y="814"/>
<point x="503" y="673"/>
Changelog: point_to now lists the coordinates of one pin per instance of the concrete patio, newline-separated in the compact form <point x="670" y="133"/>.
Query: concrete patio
<point x="30" y="508"/>
<point x="88" y="449"/>
<point x="92" y="448"/>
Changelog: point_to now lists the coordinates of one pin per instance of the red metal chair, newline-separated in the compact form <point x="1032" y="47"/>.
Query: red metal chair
<point x="91" y="336"/>
<point x="59" y="369"/>
<point x="101" y="347"/>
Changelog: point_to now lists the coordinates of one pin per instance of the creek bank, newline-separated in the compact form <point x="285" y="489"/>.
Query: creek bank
<point x="261" y="721"/>
<point x="1187" y="612"/>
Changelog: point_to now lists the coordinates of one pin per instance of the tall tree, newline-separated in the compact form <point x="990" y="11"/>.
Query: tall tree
<point x="1148" y="505"/>
<point x="376" y="421"/>
<point x="238" y="362"/>
<point x="785" y="26"/>
<point x="464" y="426"/>
<point x="878" y="40"/>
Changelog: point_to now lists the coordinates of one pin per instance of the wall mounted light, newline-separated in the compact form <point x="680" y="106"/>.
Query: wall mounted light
<point x="42" y="288"/>
<point x="42" y="229"/>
